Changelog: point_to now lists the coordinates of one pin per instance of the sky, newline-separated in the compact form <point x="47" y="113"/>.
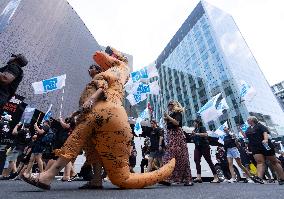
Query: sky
<point x="143" y="28"/>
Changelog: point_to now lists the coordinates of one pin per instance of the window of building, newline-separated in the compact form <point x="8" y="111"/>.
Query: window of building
<point x="279" y="87"/>
<point x="228" y="91"/>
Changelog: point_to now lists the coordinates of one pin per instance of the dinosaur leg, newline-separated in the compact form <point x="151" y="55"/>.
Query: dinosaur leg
<point x="114" y="150"/>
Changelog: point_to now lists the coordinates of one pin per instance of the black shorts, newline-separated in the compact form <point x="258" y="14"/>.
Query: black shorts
<point x="263" y="151"/>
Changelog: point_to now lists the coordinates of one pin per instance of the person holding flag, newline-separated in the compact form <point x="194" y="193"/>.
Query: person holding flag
<point x="112" y="137"/>
<point x="202" y="148"/>
<point x="231" y="147"/>
<point x="38" y="147"/>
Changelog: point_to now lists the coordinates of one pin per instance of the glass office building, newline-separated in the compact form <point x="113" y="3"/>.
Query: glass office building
<point x="207" y="56"/>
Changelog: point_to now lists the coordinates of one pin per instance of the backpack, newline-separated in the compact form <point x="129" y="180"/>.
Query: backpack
<point x="48" y="139"/>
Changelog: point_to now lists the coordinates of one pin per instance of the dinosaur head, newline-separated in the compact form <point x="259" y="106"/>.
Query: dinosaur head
<point x="110" y="58"/>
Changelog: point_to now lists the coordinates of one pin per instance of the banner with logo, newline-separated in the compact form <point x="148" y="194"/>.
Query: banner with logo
<point x="15" y="107"/>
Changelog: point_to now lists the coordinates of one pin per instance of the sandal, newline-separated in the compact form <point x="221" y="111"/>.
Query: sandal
<point x="63" y="180"/>
<point x="35" y="182"/>
<point x="74" y="177"/>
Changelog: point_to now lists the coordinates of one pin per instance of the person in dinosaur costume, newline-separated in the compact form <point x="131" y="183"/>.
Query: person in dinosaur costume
<point x="107" y="122"/>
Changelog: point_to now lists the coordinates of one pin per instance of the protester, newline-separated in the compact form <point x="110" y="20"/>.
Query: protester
<point x="132" y="157"/>
<point x="156" y="145"/>
<point x="7" y="143"/>
<point x="221" y="157"/>
<point x="145" y="154"/>
<point x="38" y="147"/>
<point x="10" y="77"/>
<point x="4" y="139"/>
<point x="176" y="146"/>
<point x="262" y="149"/>
<point x="22" y="137"/>
<point x="202" y="148"/>
<point x="281" y="158"/>
<point x="231" y="147"/>
<point x="68" y="126"/>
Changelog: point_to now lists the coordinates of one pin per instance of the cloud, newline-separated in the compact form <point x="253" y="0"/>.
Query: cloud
<point x="143" y="28"/>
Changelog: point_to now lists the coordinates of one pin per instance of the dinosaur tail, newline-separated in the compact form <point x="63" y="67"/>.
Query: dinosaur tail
<point x="124" y="179"/>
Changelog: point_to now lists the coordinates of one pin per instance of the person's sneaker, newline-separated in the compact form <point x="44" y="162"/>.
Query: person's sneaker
<point x="271" y="181"/>
<point x="257" y="179"/>
<point x="281" y="182"/>
<point x="232" y="180"/>
<point x="225" y="180"/>
<point x="245" y="181"/>
<point x="250" y="180"/>
<point x="13" y="175"/>
<point x="4" y="178"/>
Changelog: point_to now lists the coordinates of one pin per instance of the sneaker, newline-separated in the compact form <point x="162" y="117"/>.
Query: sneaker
<point x="225" y="180"/>
<point x="13" y="175"/>
<point x="232" y="180"/>
<point x="250" y="180"/>
<point x="257" y="179"/>
<point x="281" y="182"/>
<point x="245" y="181"/>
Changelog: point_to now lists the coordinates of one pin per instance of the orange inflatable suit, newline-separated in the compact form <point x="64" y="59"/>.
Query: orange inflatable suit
<point x="106" y="124"/>
<point x="112" y="137"/>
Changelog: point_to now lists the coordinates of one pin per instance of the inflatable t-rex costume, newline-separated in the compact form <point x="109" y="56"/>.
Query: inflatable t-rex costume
<point x="111" y="132"/>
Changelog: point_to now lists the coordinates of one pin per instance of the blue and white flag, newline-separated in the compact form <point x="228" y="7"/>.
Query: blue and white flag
<point x="144" y="73"/>
<point x="49" y="85"/>
<point x="142" y="116"/>
<point x="27" y="115"/>
<point x="136" y="98"/>
<point x="221" y="133"/>
<point x="281" y="147"/>
<point x="143" y="88"/>
<point x="47" y="114"/>
<point x="213" y="108"/>
<point x="247" y="92"/>
<point x="244" y="127"/>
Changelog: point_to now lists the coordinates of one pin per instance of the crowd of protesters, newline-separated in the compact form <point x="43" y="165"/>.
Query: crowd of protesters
<point x="25" y="146"/>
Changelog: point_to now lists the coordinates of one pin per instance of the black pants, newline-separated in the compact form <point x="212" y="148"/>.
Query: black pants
<point x="144" y="162"/>
<point x="2" y="160"/>
<point x="205" y="152"/>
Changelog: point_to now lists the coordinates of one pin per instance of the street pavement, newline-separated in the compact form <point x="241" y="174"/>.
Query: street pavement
<point x="21" y="190"/>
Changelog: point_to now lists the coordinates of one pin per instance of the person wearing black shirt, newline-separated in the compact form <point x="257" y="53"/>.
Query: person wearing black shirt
<point x="156" y="147"/>
<point x="68" y="125"/>
<point x="176" y="146"/>
<point x="22" y="137"/>
<point x="230" y="145"/>
<point x="202" y="148"/>
<point x="10" y="77"/>
<point x="38" y="147"/>
<point x="145" y="154"/>
<point x="258" y="138"/>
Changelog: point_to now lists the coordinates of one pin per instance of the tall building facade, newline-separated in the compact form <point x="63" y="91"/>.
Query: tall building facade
<point x="278" y="90"/>
<point x="207" y="56"/>
<point x="55" y="41"/>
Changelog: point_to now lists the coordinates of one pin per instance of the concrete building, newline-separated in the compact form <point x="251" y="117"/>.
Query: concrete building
<point x="207" y="56"/>
<point x="55" y="41"/>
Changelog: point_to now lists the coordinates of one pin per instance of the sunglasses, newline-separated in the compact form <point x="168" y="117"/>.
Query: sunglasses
<point x="94" y="67"/>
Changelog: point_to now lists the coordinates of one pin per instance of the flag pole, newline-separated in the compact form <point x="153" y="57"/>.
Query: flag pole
<point x="61" y="105"/>
<point x="38" y="117"/>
